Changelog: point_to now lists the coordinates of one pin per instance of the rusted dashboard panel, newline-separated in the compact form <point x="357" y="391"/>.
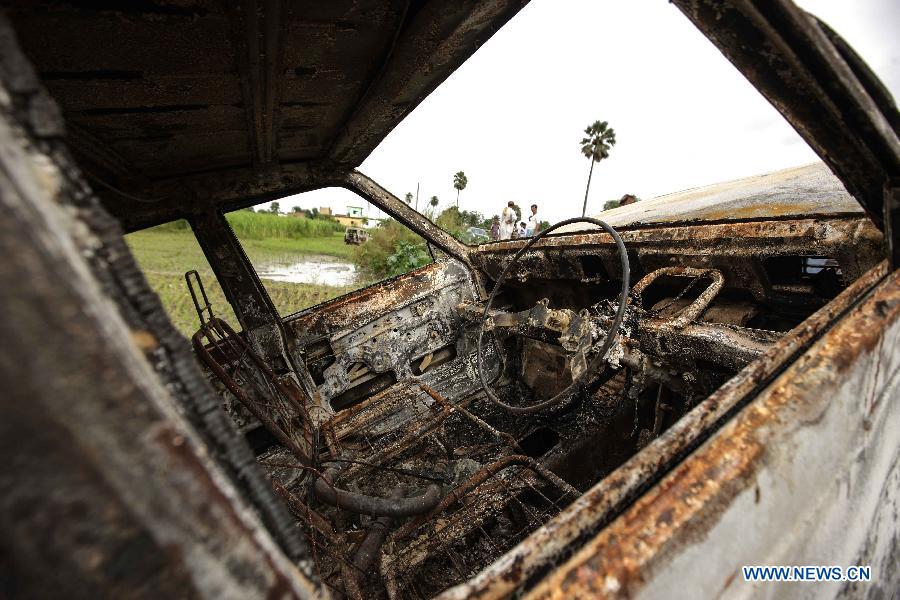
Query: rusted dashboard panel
<point x="588" y="256"/>
<point x="402" y="328"/>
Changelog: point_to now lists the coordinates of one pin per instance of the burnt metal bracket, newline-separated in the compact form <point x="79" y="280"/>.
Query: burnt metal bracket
<point x="693" y="311"/>
<point x="194" y="283"/>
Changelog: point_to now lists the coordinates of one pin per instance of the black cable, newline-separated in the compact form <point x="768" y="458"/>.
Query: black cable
<point x="582" y="380"/>
<point x="116" y="190"/>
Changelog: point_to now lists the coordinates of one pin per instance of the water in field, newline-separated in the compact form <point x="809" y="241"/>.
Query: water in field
<point x="322" y="270"/>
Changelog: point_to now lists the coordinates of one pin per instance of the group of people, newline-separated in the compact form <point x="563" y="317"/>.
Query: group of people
<point x="508" y="227"/>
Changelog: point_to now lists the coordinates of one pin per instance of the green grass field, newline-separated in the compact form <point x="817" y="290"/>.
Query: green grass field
<point x="165" y="253"/>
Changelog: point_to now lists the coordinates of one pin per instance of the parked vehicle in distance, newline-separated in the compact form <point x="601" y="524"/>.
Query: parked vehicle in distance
<point x="476" y="235"/>
<point x="356" y="236"/>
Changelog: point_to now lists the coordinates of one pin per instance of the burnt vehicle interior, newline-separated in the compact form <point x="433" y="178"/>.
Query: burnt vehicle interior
<point x="419" y="429"/>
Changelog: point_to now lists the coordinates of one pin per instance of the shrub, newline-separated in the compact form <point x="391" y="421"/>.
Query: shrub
<point x="406" y="257"/>
<point x="392" y="249"/>
<point x="451" y="221"/>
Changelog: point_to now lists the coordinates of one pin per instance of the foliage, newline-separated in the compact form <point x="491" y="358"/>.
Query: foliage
<point x="250" y="225"/>
<point x="476" y="219"/>
<point x="313" y="213"/>
<point x="434" y="201"/>
<point x="406" y="257"/>
<point x="392" y="249"/>
<point x="259" y="226"/>
<point x="276" y="208"/>
<point x="460" y="181"/>
<point x="451" y="221"/>
<point x="457" y="222"/>
<point x="408" y="198"/>
<point x="545" y="225"/>
<point x="600" y="138"/>
<point x="610" y="204"/>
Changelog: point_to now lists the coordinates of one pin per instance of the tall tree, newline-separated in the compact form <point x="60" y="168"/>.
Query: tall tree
<point x="409" y="198"/>
<point x="276" y="208"/>
<point x="599" y="139"/>
<point x="434" y="201"/>
<point x="460" y="181"/>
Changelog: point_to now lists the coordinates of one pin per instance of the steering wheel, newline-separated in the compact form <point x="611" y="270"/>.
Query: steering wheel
<point x="592" y="374"/>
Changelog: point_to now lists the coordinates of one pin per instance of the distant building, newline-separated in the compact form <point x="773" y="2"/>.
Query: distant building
<point x="348" y="221"/>
<point x="353" y="218"/>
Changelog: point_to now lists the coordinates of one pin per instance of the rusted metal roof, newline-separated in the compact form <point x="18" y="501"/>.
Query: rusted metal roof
<point x="274" y="94"/>
<point x="795" y="192"/>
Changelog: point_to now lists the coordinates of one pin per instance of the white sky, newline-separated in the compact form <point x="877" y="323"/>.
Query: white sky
<point x="512" y="116"/>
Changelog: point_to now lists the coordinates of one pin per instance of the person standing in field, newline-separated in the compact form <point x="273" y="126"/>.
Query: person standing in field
<point x="508" y="221"/>
<point x="534" y="223"/>
<point x="495" y="229"/>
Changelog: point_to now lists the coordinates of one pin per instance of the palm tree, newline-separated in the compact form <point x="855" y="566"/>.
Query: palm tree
<point x="459" y="182"/>
<point x="600" y="138"/>
<point x="434" y="201"/>
<point x="409" y="198"/>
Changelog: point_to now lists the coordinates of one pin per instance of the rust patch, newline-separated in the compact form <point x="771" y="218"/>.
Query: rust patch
<point x="684" y="506"/>
<point x="366" y="303"/>
<point x="610" y="495"/>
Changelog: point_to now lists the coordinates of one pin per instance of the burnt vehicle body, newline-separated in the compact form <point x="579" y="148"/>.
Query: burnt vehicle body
<point x="745" y="412"/>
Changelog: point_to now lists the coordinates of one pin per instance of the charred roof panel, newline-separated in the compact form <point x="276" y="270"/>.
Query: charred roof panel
<point x="157" y="91"/>
<point x="155" y="82"/>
